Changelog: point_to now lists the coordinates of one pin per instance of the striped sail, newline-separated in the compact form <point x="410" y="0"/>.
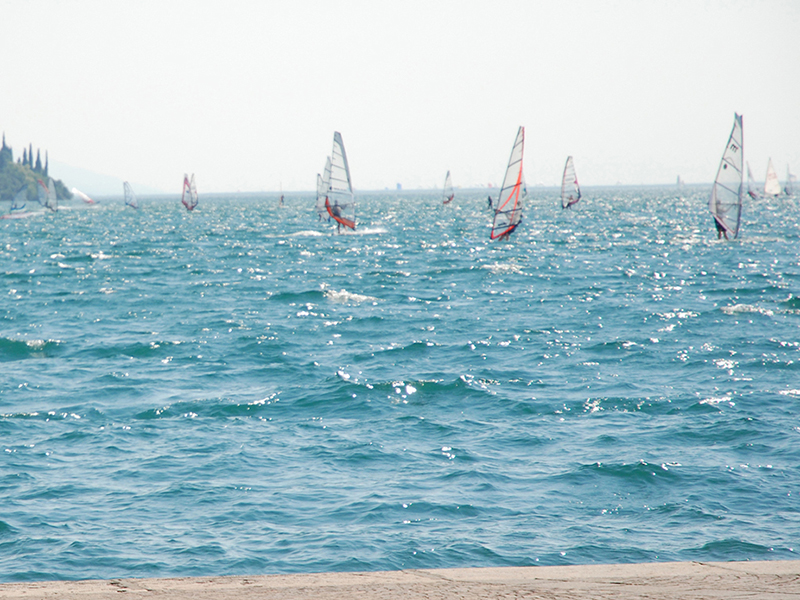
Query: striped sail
<point x="725" y="203"/>
<point x="772" y="186"/>
<point x="130" y="197"/>
<point x="508" y="214"/>
<point x="449" y="193"/>
<point x="570" y="190"/>
<point x="340" y="201"/>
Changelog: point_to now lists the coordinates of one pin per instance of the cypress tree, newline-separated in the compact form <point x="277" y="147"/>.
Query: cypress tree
<point x="38" y="167"/>
<point x="25" y="156"/>
<point x="46" y="164"/>
<point x="30" y="155"/>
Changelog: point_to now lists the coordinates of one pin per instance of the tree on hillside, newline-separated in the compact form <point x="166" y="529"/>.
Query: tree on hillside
<point x="38" y="167"/>
<point x="25" y="156"/>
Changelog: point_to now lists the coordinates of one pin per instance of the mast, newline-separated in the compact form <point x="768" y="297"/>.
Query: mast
<point x="772" y="186"/>
<point x="570" y="190"/>
<point x="130" y="197"/>
<point x="725" y="203"/>
<point x="508" y="214"/>
<point x="340" y="201"/>
<point x="449" y="194"/>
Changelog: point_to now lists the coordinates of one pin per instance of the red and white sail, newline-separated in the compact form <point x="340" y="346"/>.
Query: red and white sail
<point x="772" y="187"/>
<point x="189" y="197"/>
<point x="340" y="201"/>
<point x="47" y="195"/>
<point x="508" y="214"/>
<point x="726" y="194"/>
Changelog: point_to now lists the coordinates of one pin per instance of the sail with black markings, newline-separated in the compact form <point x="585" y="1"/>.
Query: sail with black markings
<point x="570" y="190"/>
<point x="508" y="214"/>
<point x="130" y="197"/>
<point x="725" y="203"/>
<point x="189" y="197"/>
<point x="449" y="193"/>
<point x="323" y="183"/>
<point x="340" y="201"/>
<point x="772" y="187"/>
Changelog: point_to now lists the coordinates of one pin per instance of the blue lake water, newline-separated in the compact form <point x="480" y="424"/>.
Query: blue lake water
<point x="239" y="390"/>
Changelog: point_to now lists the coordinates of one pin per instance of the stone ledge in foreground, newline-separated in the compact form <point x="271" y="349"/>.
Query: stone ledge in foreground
<point x="775" y="580"/>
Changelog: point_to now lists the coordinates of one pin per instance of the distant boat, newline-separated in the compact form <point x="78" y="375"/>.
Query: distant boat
<point x="790" y="179"/>
<point x="82" y="196"/>
<point x="340" y="201"/>
<point x="47" y="195"/>
<point x="772" y="186"/>
<point x="725" y="203"/>
<point x="323" y="183"/>
<point x="17" y="209"/>
<point x="508" y="214"/>
<point x="570" y="190"/>
<point x="751" y="184"/>
<point x="130" y="197"/>
<point x="679" y="182"/>
<point x="449" y="194"/>
<point x="280" y="204"/>
<point x="189" y="197"/>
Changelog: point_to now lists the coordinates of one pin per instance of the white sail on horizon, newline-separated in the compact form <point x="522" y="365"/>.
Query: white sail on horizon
<point x="130" y="197"/>
<point x="508" y="213"/>
<point x="725" y="203"/>
<point x="751" y="184"/>
<point x="772" y="186"/>
<point x="323" y="184"/>
<point x="790" y="179"/>
<point x="570" y="190"/>
<point x="189" y="197"/>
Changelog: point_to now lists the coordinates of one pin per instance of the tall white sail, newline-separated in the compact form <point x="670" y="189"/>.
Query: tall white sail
<point x="725" y="203"/>
<point x="323" y="184"/>
<point x="189" y="197"/>
<point x="82" y="196"/>
<point x="449" y="193"/>
<point x="772" y="186"/>
<point x="790" y="179"/>
<point x="508" y="214"/>
<point x="751" y="184"/>
<point x="340" y="202"/>
<point x="130" y="197"/>
<point x="570" y="190"/>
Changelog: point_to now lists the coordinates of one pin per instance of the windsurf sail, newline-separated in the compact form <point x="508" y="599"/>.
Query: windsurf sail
<point x="790" y="179"/>
<point x="82" y="196"/>
<point x="570" y="190"/>
<point x="323" y="183"/>
<point x="340" y="201"/>
<point x="18" y="203"/>
<point x="130" y="197"/>
<point x="508" y="211"/>
<point x="189" y="197"/>
<point x="449" y="193"/>
<point x="725" y="203"/>
<point x="751" y="184"/>
<point x="772" y="186"/>
<point x="47" y="195"/>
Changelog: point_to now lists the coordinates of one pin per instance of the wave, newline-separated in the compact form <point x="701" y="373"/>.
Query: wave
<point x="15" y="349"/>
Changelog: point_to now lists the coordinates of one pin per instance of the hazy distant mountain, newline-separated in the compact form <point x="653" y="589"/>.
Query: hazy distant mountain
<point x="95" y="184"/>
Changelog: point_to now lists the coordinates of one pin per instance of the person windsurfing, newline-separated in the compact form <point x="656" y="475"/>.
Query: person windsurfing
<point x="720" y="229"/>
<point x="490" y="202"/>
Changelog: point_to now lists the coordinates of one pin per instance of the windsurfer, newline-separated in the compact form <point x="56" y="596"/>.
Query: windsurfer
<point x="720" y="229"/>
<point x="336" y="211"/>
<point x="490" y="202"/>
<point x="511" y="230"/>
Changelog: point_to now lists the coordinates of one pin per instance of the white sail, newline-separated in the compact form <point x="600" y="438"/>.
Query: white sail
<point x="570" y="190"/>
<point x="82" y="196"/>
<point x="790" y="179"/>
<point x="772" y="186"/>
<point x="47" y="195"/>
<point x="449" y="193"/>
<point x="189" y="197"/>
<point x="340" y="202"/>
<point x="323" y="184"/>
<point x="130" y="197"/>
<point x="751" y="184"/>
<point x="725" y="203"/>
<point x="508" y="214"/>
<point x="20" y="199"/>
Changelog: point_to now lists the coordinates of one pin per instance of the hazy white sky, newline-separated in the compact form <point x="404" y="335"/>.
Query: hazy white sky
<point x="247" y="94"/>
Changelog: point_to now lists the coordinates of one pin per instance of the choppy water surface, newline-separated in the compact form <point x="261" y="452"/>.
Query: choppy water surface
<point x="242" y="391"/>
